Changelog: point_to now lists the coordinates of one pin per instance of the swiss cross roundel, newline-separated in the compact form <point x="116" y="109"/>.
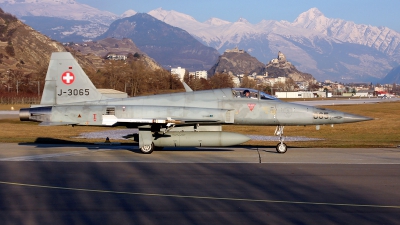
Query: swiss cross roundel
<point x="68" y="77"/>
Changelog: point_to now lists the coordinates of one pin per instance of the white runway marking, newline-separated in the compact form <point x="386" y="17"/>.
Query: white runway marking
<point x="200" y="197"/>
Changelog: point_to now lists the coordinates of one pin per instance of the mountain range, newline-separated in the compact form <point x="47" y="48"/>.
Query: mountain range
<point x="392" y="77"/>
<point x="97" y="51"/>
<point x="23" y="49"/>
<point x="62" y="20"/>
<point x="170" y="46"/>
<point x="324" y="47"/>
<point x="327" y="48"/>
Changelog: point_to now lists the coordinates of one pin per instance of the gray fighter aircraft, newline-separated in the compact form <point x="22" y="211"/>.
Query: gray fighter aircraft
<point x="191" y="118"/>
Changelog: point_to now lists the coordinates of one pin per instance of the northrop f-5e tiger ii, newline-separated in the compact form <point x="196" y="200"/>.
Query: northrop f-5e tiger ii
<point x="191" y="118"/>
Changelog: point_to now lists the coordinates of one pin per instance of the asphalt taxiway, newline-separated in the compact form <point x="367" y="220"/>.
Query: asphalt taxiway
<point x="11" y="152"/>
<point x="115" y="184"/>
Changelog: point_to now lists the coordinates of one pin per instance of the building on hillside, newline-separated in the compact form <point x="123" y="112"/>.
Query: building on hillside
<point x="192" y="74"/>
<point x="303" y="85"/>
<point x="379" y="88"/>
<point x="236" y="49"/>
<point x="201" y="74"/>
<point x="272" y="81"/>
<point x="115" y="57"/>
<point x="180" y="72"/>
<point x="260" y="77"/>
<point x="281" y="57"/>
<point x="235" y="80"/>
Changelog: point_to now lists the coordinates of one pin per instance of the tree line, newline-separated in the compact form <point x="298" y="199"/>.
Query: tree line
<point x="133" y="77"/>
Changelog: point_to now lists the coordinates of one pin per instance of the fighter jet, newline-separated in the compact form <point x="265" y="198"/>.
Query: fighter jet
<point x="191" y="118"/>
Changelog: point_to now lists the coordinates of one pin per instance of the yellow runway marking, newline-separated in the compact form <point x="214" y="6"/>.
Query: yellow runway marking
<point x="200" y="197"/>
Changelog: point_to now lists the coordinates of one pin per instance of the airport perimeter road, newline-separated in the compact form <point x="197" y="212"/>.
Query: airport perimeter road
<point x="55" y="184"/>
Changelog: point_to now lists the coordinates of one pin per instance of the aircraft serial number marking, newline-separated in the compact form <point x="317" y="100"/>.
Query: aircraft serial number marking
<point x="74" y="92"/>
<point x="321" y="115"/>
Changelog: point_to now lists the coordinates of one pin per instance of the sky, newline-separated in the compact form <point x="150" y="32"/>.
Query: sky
<point x="370" y="12"/>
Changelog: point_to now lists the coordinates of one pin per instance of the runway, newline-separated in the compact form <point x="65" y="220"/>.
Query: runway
<point x="116" y="184"/>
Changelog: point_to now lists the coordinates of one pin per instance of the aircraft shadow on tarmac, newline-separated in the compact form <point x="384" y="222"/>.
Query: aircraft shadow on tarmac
<point x="46" y="142"/>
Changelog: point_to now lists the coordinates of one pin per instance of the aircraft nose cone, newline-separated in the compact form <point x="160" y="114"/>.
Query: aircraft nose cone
<point x="352" y="118"/>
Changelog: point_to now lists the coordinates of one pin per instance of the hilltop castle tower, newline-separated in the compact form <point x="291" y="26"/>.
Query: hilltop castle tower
<point x="281" y="57"/>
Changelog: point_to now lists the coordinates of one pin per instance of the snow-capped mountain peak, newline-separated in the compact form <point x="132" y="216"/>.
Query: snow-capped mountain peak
<point x="216" y="22"/>
<point x="311" y="16"/>
<point x="128" y="13"/>
<point x="66" y="9"/>
<point x="325" y="47"/>
<point x="310" y="30"/>
<point x="242" y="20"/>
<point x="312" y="13"/>
<point x="163" y="15"/>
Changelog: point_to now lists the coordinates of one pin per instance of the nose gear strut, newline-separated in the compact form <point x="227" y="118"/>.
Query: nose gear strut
<point x="281" y="147"/>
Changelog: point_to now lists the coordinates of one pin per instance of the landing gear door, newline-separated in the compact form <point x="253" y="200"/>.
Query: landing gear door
<point x="271" y="115"/>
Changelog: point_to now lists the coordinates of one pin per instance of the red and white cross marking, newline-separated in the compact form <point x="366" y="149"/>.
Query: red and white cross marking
<point x="251" y="106"/>
<point x="68" y="77"/>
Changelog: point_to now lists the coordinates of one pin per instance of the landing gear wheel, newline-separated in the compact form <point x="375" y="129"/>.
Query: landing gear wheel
<point x="281" y="148"/>
<point x="147" y="149"/>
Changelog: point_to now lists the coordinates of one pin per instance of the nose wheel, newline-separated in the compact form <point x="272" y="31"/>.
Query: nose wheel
<point x="281" y="147"/>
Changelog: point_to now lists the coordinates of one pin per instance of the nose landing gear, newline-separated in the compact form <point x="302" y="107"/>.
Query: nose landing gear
<point x="281" y="147"/>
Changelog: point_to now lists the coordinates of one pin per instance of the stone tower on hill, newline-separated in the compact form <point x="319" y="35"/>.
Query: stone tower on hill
<point x="281" y="57"/>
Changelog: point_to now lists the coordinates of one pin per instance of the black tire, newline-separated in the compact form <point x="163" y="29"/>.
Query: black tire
<point x="147" y="149"/>
<point x="281" y="148"/>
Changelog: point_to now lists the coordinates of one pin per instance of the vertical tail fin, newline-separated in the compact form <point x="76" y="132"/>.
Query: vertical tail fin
<point x="66" y="82"/>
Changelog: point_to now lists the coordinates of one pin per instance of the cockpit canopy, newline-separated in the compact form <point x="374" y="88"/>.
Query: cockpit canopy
<point x="252" y="93"/>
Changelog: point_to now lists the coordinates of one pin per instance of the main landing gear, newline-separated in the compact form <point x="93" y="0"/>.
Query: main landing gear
<point x="146" y="145"/>
<point x="147" y="149"/>
<point x="146" y="138"/>
<point x="281" y="147"/>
